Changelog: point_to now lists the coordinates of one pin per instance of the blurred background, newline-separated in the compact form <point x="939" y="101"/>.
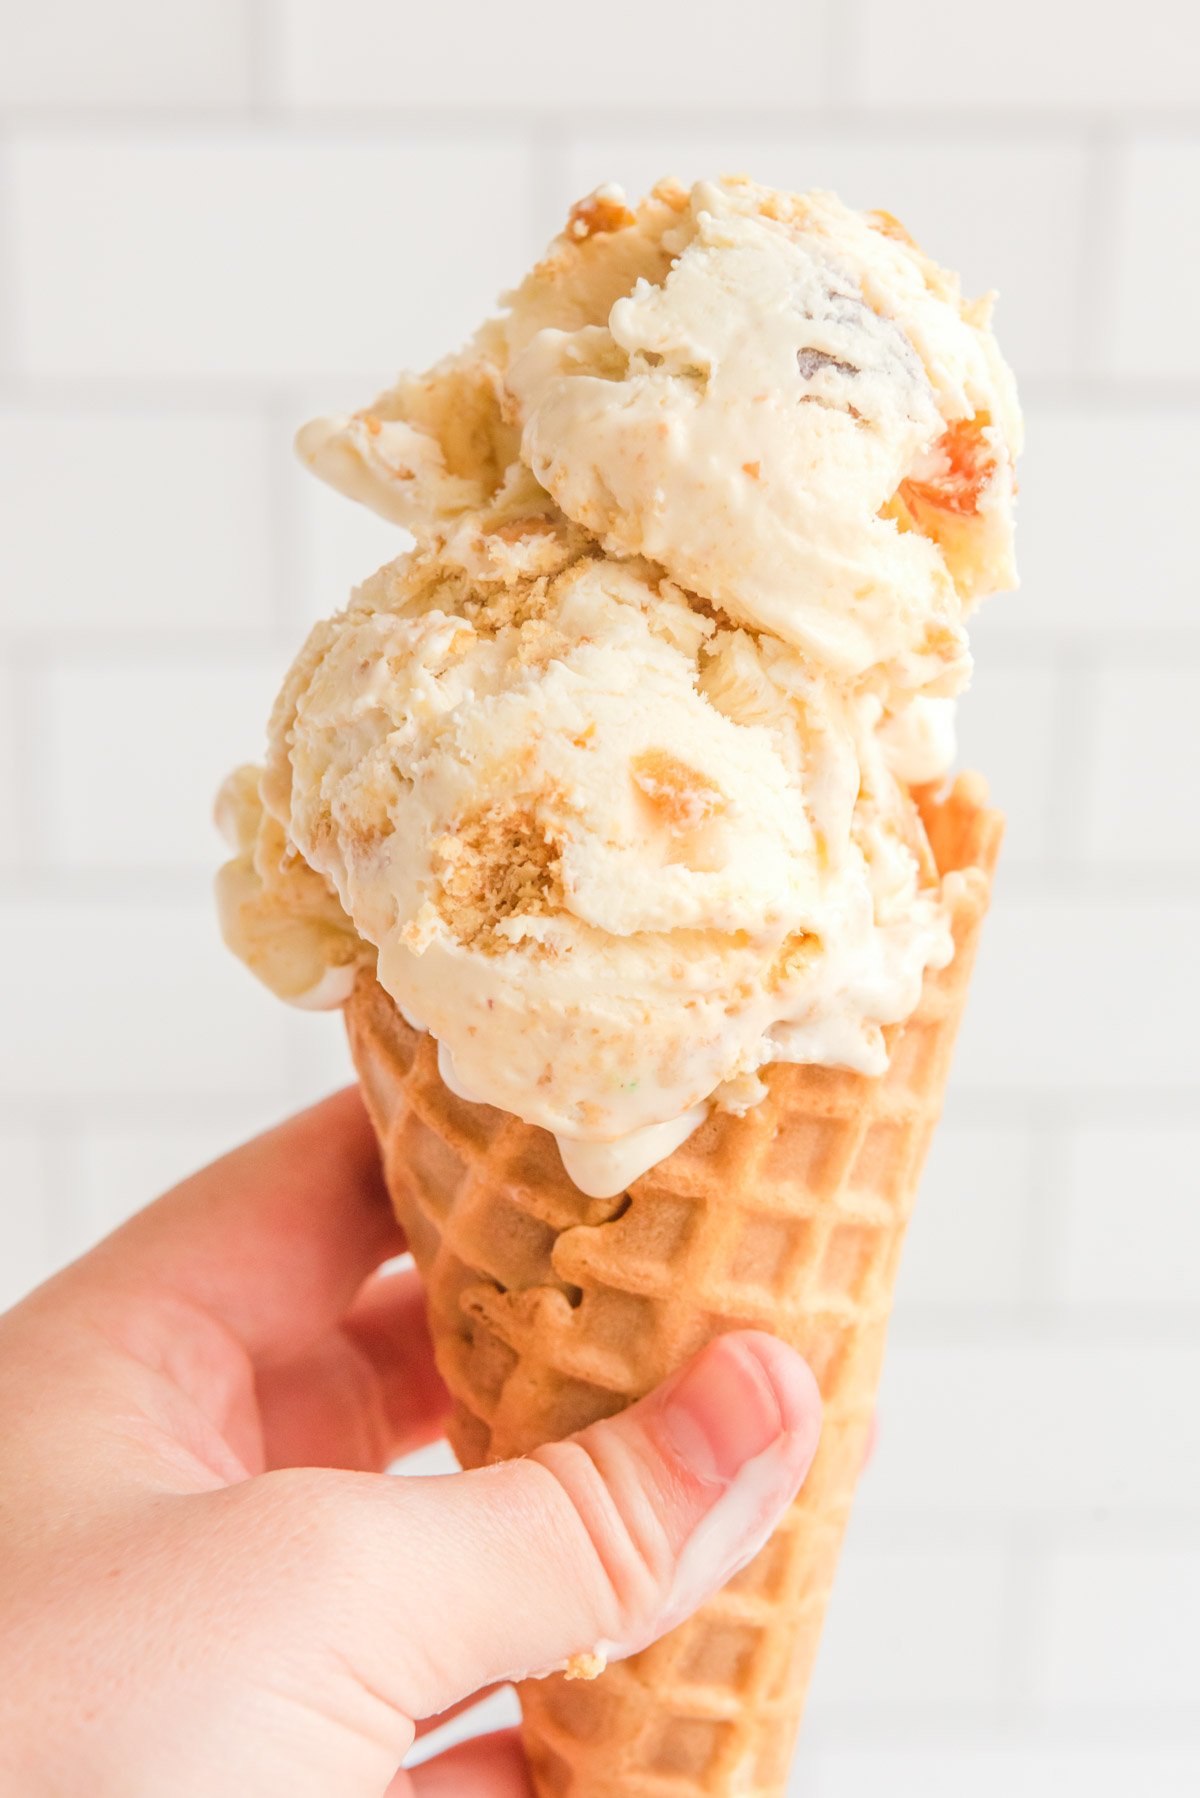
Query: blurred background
<point x="217" y="216"/>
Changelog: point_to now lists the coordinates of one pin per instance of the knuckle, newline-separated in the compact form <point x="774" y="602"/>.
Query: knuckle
<point x="628" y="1551"/>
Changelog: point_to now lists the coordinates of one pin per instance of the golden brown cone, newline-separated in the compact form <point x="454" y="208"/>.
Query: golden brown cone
<point x="550" y="1310"/>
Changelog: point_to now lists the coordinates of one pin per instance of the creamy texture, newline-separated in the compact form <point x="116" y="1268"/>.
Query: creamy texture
<point x="599" y="1169"/>
<point x="283" y="920"/>
<point x="610" y="774"/>
<point x="577" y="817"/>
<point x="767" y="413"/>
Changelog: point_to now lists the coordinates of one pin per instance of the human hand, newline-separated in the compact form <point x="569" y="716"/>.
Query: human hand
<point x="206" y="1585"/>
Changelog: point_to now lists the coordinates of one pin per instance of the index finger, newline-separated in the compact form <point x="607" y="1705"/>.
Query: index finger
<point x="273" y="1240"/>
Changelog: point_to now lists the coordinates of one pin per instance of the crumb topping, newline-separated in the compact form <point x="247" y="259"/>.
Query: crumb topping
<point x="598" y="212"/>
<point x="501" y="863"/>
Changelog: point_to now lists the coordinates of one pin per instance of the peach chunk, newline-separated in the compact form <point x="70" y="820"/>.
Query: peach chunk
<point x="961" y="467"/>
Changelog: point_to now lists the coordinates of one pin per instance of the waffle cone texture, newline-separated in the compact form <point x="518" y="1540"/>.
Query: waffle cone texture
<point x="550" y="1310"/>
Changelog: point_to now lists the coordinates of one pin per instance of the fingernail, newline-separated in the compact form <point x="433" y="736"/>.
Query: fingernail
<point x="723" y="1411"/>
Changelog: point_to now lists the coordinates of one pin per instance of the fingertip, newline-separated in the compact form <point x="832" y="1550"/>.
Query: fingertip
<point x="793" y="1384"/>
<point x="744" y="1393"/>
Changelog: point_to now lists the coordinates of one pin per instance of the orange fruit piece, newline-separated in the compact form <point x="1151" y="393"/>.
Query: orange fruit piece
<point x="963" y="466"/>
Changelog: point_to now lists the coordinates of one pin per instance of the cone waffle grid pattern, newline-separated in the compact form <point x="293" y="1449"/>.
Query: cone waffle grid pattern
<point x="550" y="1310"/>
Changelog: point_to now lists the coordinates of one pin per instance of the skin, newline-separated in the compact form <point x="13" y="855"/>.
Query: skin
<point x="207" y="1583"/>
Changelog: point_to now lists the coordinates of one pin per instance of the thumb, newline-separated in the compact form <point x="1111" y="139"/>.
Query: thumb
<point x="599" y="1543"/>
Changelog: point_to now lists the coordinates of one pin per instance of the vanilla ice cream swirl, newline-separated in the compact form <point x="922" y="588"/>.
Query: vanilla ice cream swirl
<point x="608" y="777"/>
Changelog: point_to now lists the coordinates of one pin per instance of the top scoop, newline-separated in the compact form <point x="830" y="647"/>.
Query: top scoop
<point x="611" y="770"/>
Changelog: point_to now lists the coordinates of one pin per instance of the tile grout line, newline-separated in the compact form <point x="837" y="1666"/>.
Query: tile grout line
<point x="855" y="120"/>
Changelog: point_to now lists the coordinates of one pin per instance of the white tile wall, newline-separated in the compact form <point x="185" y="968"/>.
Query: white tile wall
<point x="1143" y="804"/>
<point x="136" y="752"/>
<point x="999" y="1770"/>
<point x="146" y="1003"/>
<point x="259" y="253"/>
<point x="1008" y="725"/>
<point x="1131" y="1222"/>
<point x="134" y="519"/>
<point x="1157" y="228"/>
<point x="217" y="219"/>
<point x="1102" y="1603"/>
<point x="536" y="57"/>
<point x="1065" y="56"/>
<point x="64" y="53"/>
<point x="1034" y="1423"/>
<point x="968" y="1241"/>
<point x="1080" y="988"/>
<point x="913" y="1626"/>
<point x="1106" y="490"/>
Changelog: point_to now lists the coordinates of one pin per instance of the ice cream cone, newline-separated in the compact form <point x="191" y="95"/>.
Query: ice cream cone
<point x="550" y="1309"/>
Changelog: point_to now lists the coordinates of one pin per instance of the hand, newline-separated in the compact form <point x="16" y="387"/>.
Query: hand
<point x="206" y="1584"/>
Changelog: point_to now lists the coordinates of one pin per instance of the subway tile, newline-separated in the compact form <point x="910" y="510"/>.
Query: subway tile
<point x="998" y="1769"/>
<point x="1006" y="215"/>
<point x="1104" y="523"/>
<point x="1072" y="993"/>
<point x="65" y="53"/>
<point x="1142" y="805"/>
<point x="1120" y="1630"/>
<point x="1021" y="1426"/>
<point x="1006" y="728"/>
<point x="133" y="999"/>
<point x="1058" y="55"/>
<point x="1131" y="1221"/>
<point x="120" y="521"/>
<point x="275" y="254"/>
<point x="27" y="1248"/>
<point x="912" y="1628"/>
<point x="372" y="53"/>
<point x="135" y="754"/>
<point x="966" y="1242"/>
<point x="1155" y="246"/>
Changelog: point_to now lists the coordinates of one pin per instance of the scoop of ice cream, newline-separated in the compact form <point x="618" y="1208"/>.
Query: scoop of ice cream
<point x="780" y="401"/>
<point x="612" y="853"/>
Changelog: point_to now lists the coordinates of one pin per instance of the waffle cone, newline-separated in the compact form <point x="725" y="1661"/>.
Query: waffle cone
<point x="550" y="1310"/>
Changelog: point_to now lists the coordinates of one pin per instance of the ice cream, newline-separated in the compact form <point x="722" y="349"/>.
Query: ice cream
<point x="609" y="775"/>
